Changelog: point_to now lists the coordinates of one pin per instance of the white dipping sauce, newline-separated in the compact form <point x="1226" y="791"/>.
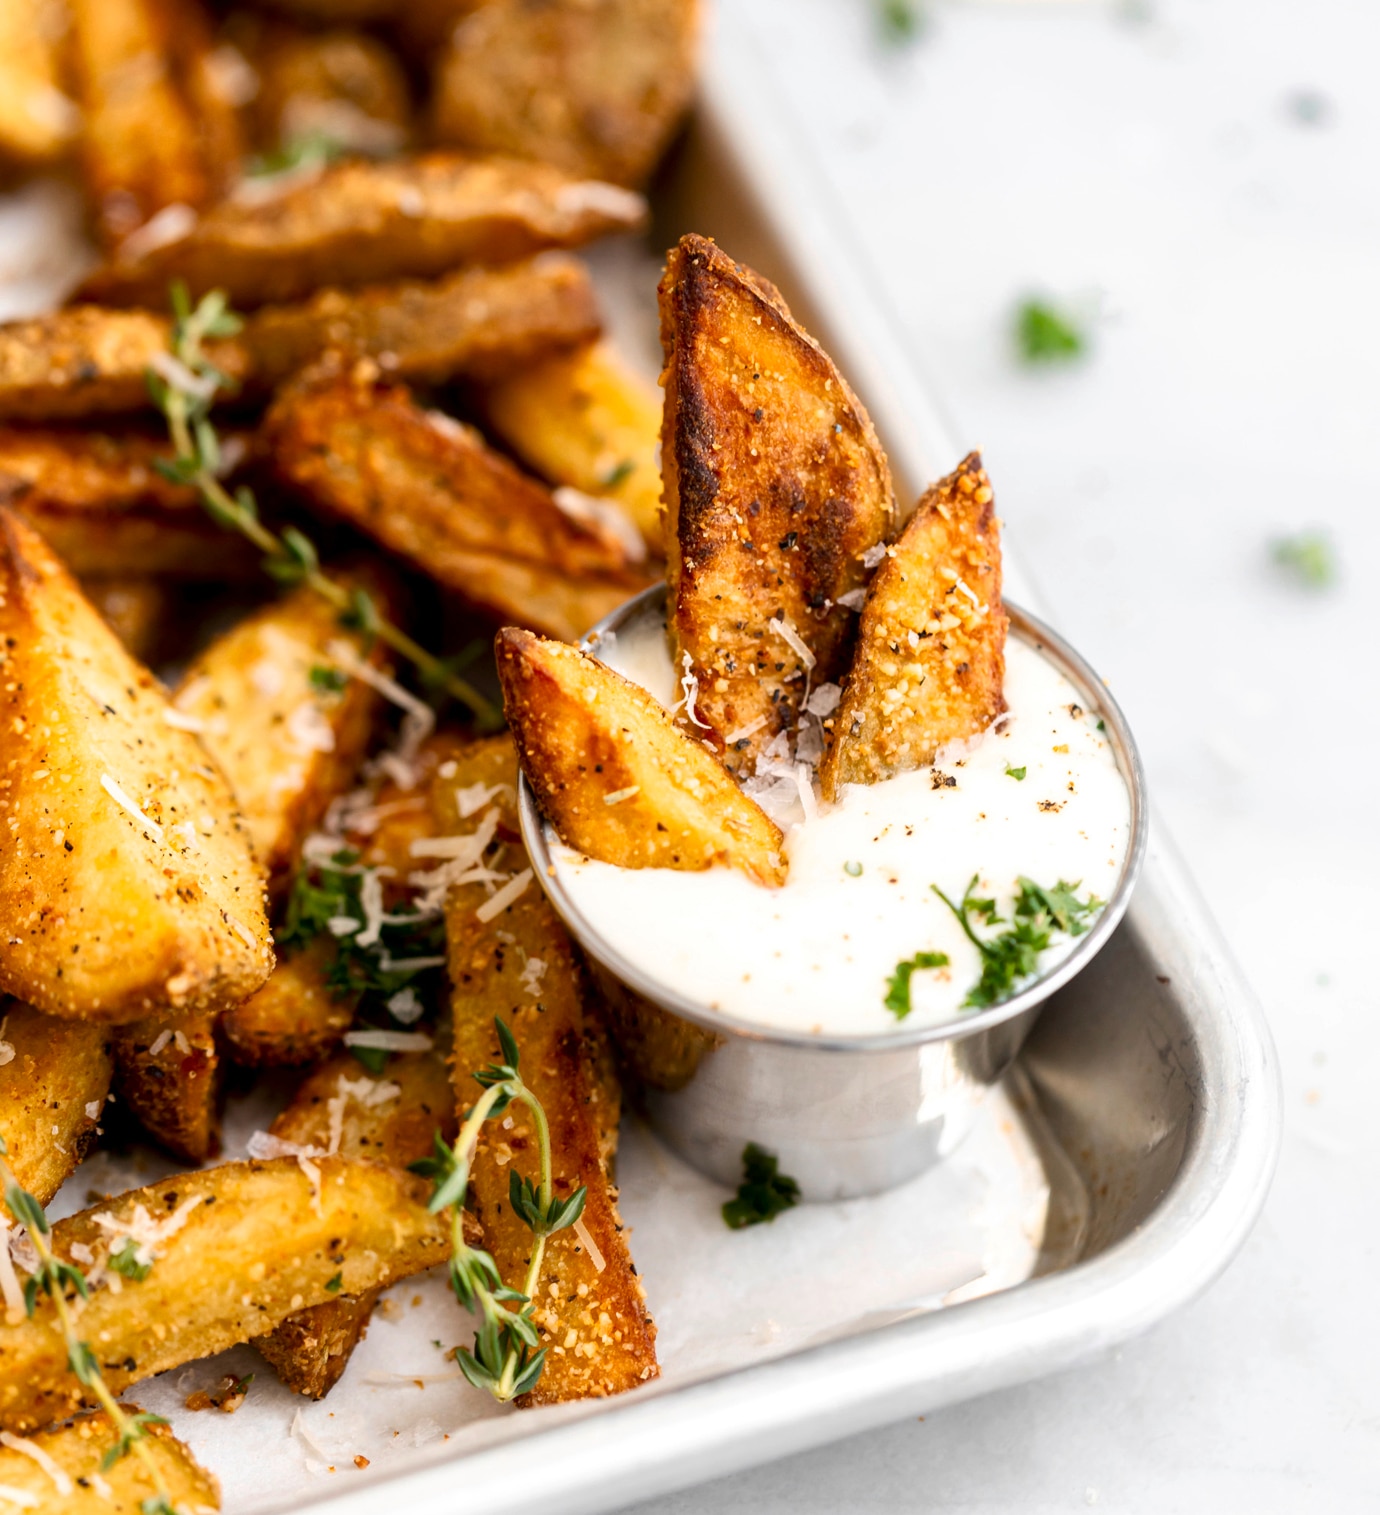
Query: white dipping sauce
<point x="818" y="953"/>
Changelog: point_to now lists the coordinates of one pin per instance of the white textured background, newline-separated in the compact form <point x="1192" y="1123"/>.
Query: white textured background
<point x="1149" y="163"/>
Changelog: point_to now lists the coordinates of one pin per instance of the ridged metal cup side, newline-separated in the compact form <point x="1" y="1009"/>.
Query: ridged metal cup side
<point x="846" y="1114"/>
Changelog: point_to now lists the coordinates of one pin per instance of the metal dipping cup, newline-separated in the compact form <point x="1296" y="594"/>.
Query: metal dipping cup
<point x="846" y="1115"/>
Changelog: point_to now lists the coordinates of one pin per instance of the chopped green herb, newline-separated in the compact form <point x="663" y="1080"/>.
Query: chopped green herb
<point x="1101" y="724"/>
<point x="853" y="870"/>
<point x="615" y="476"/>
<point x="310" y="150"/>
<point x="126" y="1262"/>
<point x="373" y="1059"/>
<point x="1013" y="955"/>
<point x="764" y="1192"/>
<point x="1308" y="556"/>
<point x="1015" y="773"/>
<point x="328" y="680"/>
<point x="333" y="1284"/>
<point x="900" y="21"/>
<point x="1046" y="335"/>
<point x="897" y="998"/>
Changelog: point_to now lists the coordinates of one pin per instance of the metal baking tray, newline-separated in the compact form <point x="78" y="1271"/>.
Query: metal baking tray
<point x="1111" y="1178"/>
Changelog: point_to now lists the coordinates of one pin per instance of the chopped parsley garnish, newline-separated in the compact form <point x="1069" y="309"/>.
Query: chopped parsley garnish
<point x="1015" y="773"/>
<point x="615" y="476"/>
<point x="308" y="151"/>
<point x="1012" y="956"/>
<point x="897" y="998"/>
<point x="763" y="1194"/>
<point x="1308" y="557"/>
<point x="900" y="20"/>
<point x="333" y="1284"/>
<point x="126" y="1262"/>
<point x="1046" y="335"/>
<point x="328" y="680"/>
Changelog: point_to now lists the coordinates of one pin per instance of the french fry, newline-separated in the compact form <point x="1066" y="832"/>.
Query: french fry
<point x="362" y="222"/>
<point x="53" y="1082"/>
<point x="339" y="1107"/>
<point x="930" y="659"/>
<point x="135" y="609"/>
<point x="775" y="486"/>
<point x="127" y="885"/>
<point x="158" y="132"/>
<point x="590" y="1306"/>
<point x="85" y="1484"/>
<point x="37" y="119"/>
<point x="168" y="1074"/>
<point x="295" y="1019"/>
<point x="616" y="777"/>
<point x="583" y="419"/>
<point x="595" y="87"/>
<point x="432" y="491"/>
<point x="244" y="1246"/>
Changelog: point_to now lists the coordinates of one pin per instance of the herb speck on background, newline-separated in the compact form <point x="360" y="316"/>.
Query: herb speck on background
<point x="1307" y="557"/>
<point x="764" y="1192"/>
<point x="1044" y="333"/>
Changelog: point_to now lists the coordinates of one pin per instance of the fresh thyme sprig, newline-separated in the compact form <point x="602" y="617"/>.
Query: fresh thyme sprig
<point x="506" y="1360"/>
<point x="56" y="1278"/>
<point x="1014" y="954"/>
<point x="185" y="391"/>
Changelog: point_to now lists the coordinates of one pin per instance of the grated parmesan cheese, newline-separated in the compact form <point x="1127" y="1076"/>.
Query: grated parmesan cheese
<point x="10" y="1290"/>
<point x="619" y="795"/>
<point x="605" y="518"/>
<point x="588" y="1243"/>
<point x="473" y="797"/>
<point x="6" y="1048"/>
<point x="690" y="693"/>
<point x="419" y="719"/>
<point x="405" y="1007"/>
<point x="147" y="1234"/>
<point x="533" y="971"/>
<point x="93" y="1109"/>
<point x="391" y="1041"/>
<point x="20" y="1497"/>
<point x="121" y="798"/>
<point x="159" y="1042"/>
<point x="62" y="1480"/>
<point x="852" y="599"/>
<point x="308" y="729"/>
<point x="871" y="558"/>
<point x="510" y="892"/>
<point x="784" y="628"/>
<point x="824" y="699"/>
<point x="180" y="720"/>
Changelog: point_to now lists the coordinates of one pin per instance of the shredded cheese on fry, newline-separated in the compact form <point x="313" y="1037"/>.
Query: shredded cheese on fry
<point x="180" y="720"/>
<point x="147" y="1234"/>
<point x="783" y="627"/>
<point x="62" y="1481"/>
<point x="19" y="1497"/>
<point x="619" y="795"/>
<point x="121" y="798"/>
<point x="690" y="693"/>
<point x="588" y="1243"/>
<point x="511" y="891"/>
<point x="390" y="1041"/>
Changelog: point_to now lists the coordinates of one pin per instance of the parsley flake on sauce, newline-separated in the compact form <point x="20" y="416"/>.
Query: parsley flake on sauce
<point x="1015" y="773"/>
<point x="897" y="998"/>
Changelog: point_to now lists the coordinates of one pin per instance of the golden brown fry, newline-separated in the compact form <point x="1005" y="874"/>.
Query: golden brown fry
<point x="931" y="652"/>
<point x="158" y="133"/>
<point x="127" y="886"/>
<point x="596" y="87"/>
<point x="53" y="1083"/>
<point x="135" y="609"/>
<point x="295" y="1019"/>
<point x="286" y="740"/>
<point x="585" y="420"/>
<point x="361" y="223"/>
<point x="79" y="1450"/>
<point x="614" y="774"/>
<point x="775" y="488"/>
<point x="430" y="489"/>
<point x="37" y="120"/>
<point x="340" y="1104"/>
<point x="247" y="1244"/>
<point x="168" y="1073"/>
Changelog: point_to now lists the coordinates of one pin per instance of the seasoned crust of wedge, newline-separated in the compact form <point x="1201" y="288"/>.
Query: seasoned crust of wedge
<point x="432" y="490"/>
<point x="127" y="884"/>
<point x="57" y="1075"/>
<point x="595" y="87"/>
<point x="931" y="653"/>
<point x="297" y="1018"/>
<point x="775" y="487"/>
<point x="175" y="1091"/>
<point x="361" y="222"/>
<point x="614" y="774"/>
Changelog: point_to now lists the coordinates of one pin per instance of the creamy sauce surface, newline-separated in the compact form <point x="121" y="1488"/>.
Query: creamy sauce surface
<point x="818" y="954"/>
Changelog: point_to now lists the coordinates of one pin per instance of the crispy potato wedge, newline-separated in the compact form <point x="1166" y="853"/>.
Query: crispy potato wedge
<point x="85" y="360"/>
<point x="393" y="1121"/>
<point x="295" y="1019"/>
<point x="431" y="490"/>
<point x="54" y="1078"/>
<point x="583" y="419"/>
<point x="168" y="1073"/>
<point x="135" y="609"/>
<point x="78" y="1449"/>
<point x="615" y="775"/>
<point x="775" y="486"/>
<point x="285" y="739"/>
<point x="362" y="223"/>
<point x="127" y="885"/>
<point x="931" y="652"/>
<point x="592" y="1311"/>
<point x="596" y="87"/>
<point x="156" y="125"/>
<point x="37" y="120"/>
<point x="246" y="1245"/>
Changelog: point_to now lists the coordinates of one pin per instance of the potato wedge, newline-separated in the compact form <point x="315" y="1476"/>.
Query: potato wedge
<point x="592" y="1311"/>
<point x="79" y="1448"/>
<point x="340" y="1105"/>
<point x="362" y="223"/>
<point x="37" y="120"/>
<point x="168" y="1074"/>
<point x="135" y="609"/>
<point x="775" y="485"/>
<point x="127" y="885"/>
<point x="616" y="776"/>
<point x="155" y="124"/>
<point x="247" y="1244"/>
<point x="583" y="419"/>
<point x="54" y="1077"/>
<point x="284" y="724"/>
<point x="295" y="1019"/>
<point x="596" y="87"/>
<point x="432" y="491"/>
<point x="931" y="652"/>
